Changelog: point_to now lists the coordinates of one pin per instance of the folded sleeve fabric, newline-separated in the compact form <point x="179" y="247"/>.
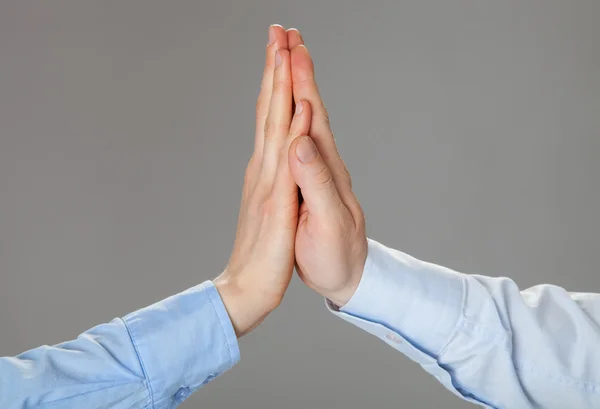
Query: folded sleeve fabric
<point x="481" y="337"/>
<point x="153" y="358"/>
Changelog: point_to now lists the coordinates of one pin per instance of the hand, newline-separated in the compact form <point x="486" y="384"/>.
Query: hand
<point x="262" y="261"/>
<point x="331" y="243"/>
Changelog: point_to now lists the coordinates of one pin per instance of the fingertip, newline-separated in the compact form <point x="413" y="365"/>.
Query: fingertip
<point x="298" y="50"/>
<point x="302" y="63"/>
<point x="294" y="38"/>
<point x="280" y="36"/>
<point x="306" y="151"/>
<point x="299" y="108"/>
<point x="306" y="116"/>
<point x="277" y="41"/>
<point x="302" y="106"/>
<point x="301" y="48"/>
<point x="302" y="119"/>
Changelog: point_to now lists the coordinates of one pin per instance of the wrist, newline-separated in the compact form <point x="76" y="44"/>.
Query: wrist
<point x="244" y="308"/>
<point x="341" y="296"/>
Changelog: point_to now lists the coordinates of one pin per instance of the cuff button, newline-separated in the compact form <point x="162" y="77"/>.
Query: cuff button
<point x="210" y="377"/>
<point x="182" y="393"/>
<point x="394" y="338"/>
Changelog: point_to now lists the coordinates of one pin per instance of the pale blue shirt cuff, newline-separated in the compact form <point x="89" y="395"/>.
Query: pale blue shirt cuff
<point x="411" y="305"/>
<point x="182" y="343"/>
<point x="419" y="301"/>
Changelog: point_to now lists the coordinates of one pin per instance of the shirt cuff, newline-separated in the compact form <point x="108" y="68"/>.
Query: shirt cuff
<point x="183" y="342"/>
<point x="419" y="302"/>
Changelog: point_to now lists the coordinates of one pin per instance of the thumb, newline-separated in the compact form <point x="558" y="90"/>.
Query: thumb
<point x="313" y="177"/>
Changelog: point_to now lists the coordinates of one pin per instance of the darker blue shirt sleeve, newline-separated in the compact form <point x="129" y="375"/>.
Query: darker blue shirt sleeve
<point x="153" y="358"/>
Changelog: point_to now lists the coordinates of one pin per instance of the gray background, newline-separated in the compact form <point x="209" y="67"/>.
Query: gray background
<point x="471" y="129"/>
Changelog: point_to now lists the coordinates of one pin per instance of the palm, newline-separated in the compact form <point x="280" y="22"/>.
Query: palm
<point x="322" y="248"/>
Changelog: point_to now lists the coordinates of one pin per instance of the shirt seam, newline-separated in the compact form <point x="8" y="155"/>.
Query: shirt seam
<point x="476" y="329"/>
<point x="459" y="320"/>
<point x="113" y="385"/>
<point x="141" y="361"/>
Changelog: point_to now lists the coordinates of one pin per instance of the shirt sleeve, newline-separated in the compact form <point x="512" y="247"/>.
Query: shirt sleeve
<point x="481" y="337"/>
<point x="153" y="358"/>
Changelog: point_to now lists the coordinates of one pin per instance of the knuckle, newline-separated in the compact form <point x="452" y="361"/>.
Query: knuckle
<point x="269" y="64"/>
<point x="274" y="128"/>
<point x="261" y="105"/>
<point x="344" y="173"/>
<point x="343" y="167"/>
<point x="322" y="116"/>
<point x="256" y="207"/>
<point x="309" y="81"/>
<point x="359" y="216"/>
<point x="282" y="84"/>
<point x="261" y="119"/>
<point x="356" y="212"/>
<point x="250" y="170"/>
<point x="270" y="60"/>
<point x="325" y="114"/>
<point x="323" y="178"/>
<point x="266" y="207"/>
<point x="360" y="219"/>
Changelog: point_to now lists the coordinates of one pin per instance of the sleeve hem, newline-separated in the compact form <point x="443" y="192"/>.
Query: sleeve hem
<point x="225" y="323"/>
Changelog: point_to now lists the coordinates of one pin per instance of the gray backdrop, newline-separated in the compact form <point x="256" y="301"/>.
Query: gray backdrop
<point x="471" y="129"/>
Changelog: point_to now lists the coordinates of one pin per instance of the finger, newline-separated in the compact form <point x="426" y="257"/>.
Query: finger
<point x="301" y="121"/>
<point x="313" y="177"/>
<point x="285" y="187"/>
<point x="305" y="87"/>
<point x="277" y="39"/>
<point x="280" y="115"/>
<point x="294" y="38"/>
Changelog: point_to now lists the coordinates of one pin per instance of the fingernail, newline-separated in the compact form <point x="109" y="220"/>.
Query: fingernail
<point x="277" y="59"/>
<point x="299" y="107"/>
<point x="272" y="36"/>
<point x="306" y="150"/>
<point x="299" y="35"/>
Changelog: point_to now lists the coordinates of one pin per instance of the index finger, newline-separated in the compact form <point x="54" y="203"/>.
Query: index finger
<point x="305" y="87"/>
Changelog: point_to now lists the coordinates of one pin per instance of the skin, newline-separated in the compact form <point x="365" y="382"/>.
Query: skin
<point x="324" y="236"/>
<point x="331" y="242"/>
<point x="262" y="261"/>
